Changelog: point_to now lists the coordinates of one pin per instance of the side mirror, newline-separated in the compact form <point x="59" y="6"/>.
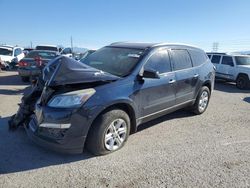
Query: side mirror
<point x="149" y="73"/>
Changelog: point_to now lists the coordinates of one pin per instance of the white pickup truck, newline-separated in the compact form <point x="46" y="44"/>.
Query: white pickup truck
<point x="234" y="68"/>
<point x="10" y="54"/>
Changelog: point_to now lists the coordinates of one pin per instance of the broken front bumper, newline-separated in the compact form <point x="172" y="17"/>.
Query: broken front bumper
<point x="60" y="130"/>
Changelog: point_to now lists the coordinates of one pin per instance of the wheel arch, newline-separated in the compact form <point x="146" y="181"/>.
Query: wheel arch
<point x="124" y="105"/>
<point x="242" y="74"/>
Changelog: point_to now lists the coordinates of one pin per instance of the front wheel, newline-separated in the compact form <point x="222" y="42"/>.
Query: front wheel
<point x="202" y="101"/>
<point x="109" y="132"/>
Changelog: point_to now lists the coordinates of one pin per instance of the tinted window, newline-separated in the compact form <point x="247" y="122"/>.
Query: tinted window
<point x="198" y="57"/>
<point x="242" y="60"/>
<point x="216" y="59"/>
<point x="227" y="60"/>
<point x="159" y="62"/>
<point x="42" y="54"/>
<point x="51" y="48"/>
<point x="5" y="51"/>
<point x="209" y="56"/>
<point x="181" y="59"/>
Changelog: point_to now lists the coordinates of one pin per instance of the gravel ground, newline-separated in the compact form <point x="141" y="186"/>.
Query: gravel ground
<point x="177" y="150"/>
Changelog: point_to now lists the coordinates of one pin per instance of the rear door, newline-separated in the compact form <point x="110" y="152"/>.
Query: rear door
<point x="156" y="95"/>
<point x="186" y="77"/>
<point x="226" y="68"/>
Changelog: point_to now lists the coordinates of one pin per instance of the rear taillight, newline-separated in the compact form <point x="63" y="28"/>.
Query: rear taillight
<point x="22" y="64"/>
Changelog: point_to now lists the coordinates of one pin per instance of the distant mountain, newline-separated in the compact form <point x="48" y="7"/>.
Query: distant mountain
<point x="79" y="50"/>
<point x="242" y="52"/>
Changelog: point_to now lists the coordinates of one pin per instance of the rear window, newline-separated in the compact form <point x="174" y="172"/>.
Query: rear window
<point x="50" y="48"/>
<point x="181" y="59"/>
<point x="241" y="60"/>
<point x="44" y="55"/>
<point x="216" y="59"/>
<point x="199" y="57"/>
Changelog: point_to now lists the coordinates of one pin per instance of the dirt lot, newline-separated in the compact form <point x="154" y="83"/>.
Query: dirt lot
<point x="177" y="150"/>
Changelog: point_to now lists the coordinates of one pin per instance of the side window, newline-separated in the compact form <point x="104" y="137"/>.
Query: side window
<point x="198" y="56"/>
<point x="227" y="60"/>
<point x="159" y="62"/>
<point x="17" y="52"/>
<point x="181" y="59"/>
<point x="209" y="56"/>
<point x="216" y="59"/>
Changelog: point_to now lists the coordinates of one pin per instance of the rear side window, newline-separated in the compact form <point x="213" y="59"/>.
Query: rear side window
<point x="227" y="60"/>
<point x="159" y="62"/>
<point x="181" y="59"/>
<point x="199" y="57"/>
<point x="216" y="59"/>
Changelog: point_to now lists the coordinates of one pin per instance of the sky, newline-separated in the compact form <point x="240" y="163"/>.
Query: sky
<point x="96" y="23"/>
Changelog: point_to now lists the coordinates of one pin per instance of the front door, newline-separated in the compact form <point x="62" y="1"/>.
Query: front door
<point x="158" y="94"/>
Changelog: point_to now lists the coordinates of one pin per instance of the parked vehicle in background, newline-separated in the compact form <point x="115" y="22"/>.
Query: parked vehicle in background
<point x="86" y="54"/>
<point x="99" y="102"/>
<point x="32" y="64"/>
<point x="27" y="50"/>
<point x="235" y="68"/>
<point x="63" y="51"/>
<point x="10" y="55"/>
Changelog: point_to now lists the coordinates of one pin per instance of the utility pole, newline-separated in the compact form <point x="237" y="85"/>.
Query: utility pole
<point x="215" y="47"/>
<point x="31" y="45"/>
<point x="71" y="41"/>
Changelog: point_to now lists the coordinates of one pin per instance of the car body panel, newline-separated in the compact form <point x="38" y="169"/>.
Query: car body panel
<point x="147" y="98"/>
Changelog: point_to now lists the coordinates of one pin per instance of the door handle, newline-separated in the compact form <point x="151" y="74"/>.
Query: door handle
<point x="172" y="81"/>
<point x="196" y="75"/>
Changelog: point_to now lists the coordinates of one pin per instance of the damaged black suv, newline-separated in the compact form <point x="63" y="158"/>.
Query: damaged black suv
<point x="98" y="103"/>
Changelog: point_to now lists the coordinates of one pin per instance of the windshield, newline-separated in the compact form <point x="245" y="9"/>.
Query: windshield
<point x="85" y="55"/>
<point x="44" y="55"/>
<point x="4" y="51"/>
<point x="240" y="60"/>
<point x="116" y="61"/>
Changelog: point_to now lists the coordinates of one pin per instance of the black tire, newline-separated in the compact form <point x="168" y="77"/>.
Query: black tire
<point x="242" y="82"/>
<point x="95" y="142"/>
<point x="25" y="78"/>
<point x="196" y="107"/>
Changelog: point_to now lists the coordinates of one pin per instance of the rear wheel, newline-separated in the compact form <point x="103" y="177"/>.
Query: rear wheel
<point x="242" y="82"/>
<point x="202" y="101"/>
<point x="109" y="132"/>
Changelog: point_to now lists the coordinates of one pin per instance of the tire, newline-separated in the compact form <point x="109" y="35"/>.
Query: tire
<point x="242" y="82"/>
<point x="202" y="101"/>
<point x="101" y="135"/>
<point x="25" y="78"/>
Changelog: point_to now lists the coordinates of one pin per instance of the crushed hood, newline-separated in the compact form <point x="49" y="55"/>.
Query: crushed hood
<point x="64" y="70"/>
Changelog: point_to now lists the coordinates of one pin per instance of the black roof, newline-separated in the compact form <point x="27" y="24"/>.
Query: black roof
<point x="140" y="45"/>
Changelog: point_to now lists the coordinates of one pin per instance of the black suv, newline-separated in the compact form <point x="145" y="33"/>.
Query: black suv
<point x="98" y="103"/>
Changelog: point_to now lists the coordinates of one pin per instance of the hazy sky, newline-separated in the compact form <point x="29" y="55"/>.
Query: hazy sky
<point x="94" y="23"/>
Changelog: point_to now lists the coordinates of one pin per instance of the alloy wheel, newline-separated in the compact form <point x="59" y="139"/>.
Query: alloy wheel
<point x="115" y="135"/>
